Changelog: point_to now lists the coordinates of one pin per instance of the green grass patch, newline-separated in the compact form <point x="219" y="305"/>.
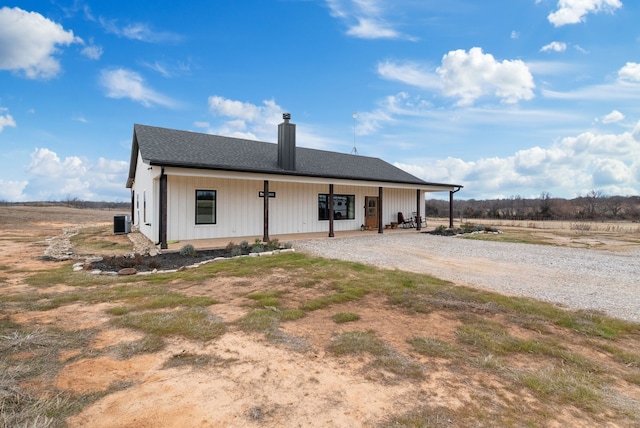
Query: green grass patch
<point x="386" y="359"/>
<point x="433" y="347"/>
<point x="343" y="317"/>
<point x="99" y="240"/>
<point x="266" y="298"/>
<point x="565" y="385"/>
<point x="291" y="314"/>
<point x="260" y="321"/>
<point x="627" y="358"/>
<point x="192" y="323"/>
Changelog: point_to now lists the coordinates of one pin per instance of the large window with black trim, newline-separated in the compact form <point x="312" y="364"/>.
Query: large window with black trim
<point x="205" y="207"/>
<point x="344" y="207"/>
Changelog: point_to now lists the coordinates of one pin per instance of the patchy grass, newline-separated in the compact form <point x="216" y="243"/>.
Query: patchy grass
<point x="496" y="336"/>
<point x="343" y="317"/>
<point x="192" y="323"/>
<point x="266" y="298"/>
<point x="100" y="240"/>
<point x="386" y="359"/>
<point x="519" y="236"/>
<point x="433" y="347"/>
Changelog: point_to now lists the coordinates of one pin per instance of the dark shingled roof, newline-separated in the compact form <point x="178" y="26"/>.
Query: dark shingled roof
<point x="169" y="147"/>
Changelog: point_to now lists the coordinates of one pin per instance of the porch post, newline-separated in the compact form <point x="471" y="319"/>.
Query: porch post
<point x="265" y="237"/>
<point x="451" y="209"/>
<point x="163" y="211"/>
<point x="331" y="211"/>
<point x="418" y="219"/>
<point x="380" y="228"/>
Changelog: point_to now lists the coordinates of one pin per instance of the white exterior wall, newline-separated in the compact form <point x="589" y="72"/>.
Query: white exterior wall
<point x="145" y="186"/>
<point x="240" y="211"/>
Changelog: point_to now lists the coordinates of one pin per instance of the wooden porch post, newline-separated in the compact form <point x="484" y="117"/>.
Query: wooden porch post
<point x="265" y="237"/>
<point x="380" y="226"/>
<point x="418" y="219"/>
<point x="163" y="211"/>
<point x="331" y="211"/>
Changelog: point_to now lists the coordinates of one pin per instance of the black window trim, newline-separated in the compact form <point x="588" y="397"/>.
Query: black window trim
<point x="215" y="207"/>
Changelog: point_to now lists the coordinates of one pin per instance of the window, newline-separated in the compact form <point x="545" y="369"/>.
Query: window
<point x="205" y="207"/>
<point x="344" y="207"/>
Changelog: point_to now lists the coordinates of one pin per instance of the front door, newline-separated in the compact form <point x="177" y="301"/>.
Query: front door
<point x="371" y="212"/>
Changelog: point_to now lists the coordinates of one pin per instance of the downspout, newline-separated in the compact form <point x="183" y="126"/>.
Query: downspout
<point x="163" y="210"/>
<point x="451" y="192"/>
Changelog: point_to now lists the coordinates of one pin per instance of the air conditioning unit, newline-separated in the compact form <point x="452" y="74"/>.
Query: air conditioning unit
<point x="121" y="224"/>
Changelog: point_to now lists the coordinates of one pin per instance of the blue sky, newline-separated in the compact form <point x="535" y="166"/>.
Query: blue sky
<point x="509" y="97"/>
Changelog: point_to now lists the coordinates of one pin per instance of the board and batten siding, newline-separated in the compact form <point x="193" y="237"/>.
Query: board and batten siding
<point x="240" y="210"/>
<point x="145" y="187"/>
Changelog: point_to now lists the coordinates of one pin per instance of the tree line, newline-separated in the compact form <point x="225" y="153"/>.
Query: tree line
<point x="73" y="202"/>
<point x="594" y="205"/>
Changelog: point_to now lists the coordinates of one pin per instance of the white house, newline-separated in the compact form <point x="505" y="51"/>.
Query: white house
<point x="187" y="186"/>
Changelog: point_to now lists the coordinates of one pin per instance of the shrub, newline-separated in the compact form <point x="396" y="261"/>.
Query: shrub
<point x="245" y="247"/>
<point x="188" y="250"/>
<point x="273" y="244"/>
<point x="258" y="247"/>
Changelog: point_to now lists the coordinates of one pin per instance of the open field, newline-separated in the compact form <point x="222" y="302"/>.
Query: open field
<point x="296" y="340"/>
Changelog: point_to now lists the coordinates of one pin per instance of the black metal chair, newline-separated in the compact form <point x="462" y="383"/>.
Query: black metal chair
<point x="404" y="223"/>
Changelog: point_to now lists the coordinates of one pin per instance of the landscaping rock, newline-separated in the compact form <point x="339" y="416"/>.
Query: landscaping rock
<point x="127" y="271"/>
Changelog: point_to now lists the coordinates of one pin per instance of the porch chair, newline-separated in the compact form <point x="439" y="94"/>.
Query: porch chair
<point x="422" y="221"/>
<point x="402" y="222"/>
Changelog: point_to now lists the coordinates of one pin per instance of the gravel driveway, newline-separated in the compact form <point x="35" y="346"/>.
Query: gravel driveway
<point x="571" y="277"/>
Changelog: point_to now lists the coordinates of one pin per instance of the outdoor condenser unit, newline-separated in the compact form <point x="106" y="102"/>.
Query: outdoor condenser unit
<point x="121" y="224"/>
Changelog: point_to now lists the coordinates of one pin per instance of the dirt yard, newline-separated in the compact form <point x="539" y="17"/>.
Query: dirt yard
<point x="290" y="377"/>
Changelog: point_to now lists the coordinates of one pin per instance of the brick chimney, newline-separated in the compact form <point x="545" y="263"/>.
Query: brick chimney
<point x="287" y="144"/>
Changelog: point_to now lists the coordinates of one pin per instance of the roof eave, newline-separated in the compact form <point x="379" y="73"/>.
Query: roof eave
<point x="291" y="173"/>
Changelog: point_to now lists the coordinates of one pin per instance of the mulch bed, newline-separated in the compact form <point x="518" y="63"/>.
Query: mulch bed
<point x="165" y="261"/>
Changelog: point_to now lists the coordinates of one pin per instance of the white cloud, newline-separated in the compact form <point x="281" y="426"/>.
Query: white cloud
<point x="29" y="41"/>
<point x="53" y="178"/>
<point x="6" y="119"/>
<point x="410" y="73"/>
<point x="471" y="75"/>
<point x="123" y="83"/>
<point x="630" y="72"/>
<point x="574" y="11"/>
<point x="13" y="191"/>
<point x="613" y="117"/>
<point x="570" y="167"/>
<point x="259" y="122"/>
<point x="555" y="47"/>
<point x="467" y="76"/>
<point x="138" y="31"/>
<point x="515" y="35"/>
<point x="92" y="51"/>
<point x="365" y="19"/>
<point x="246" y="120"/>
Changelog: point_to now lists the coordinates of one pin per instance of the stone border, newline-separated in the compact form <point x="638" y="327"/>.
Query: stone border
<point x="80" y="266"/>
